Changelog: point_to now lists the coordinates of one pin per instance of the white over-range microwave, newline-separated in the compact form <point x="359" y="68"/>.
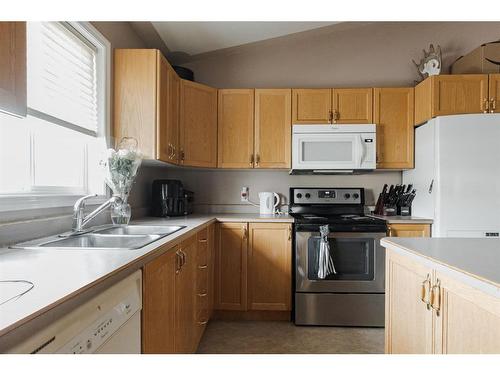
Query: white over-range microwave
<point x="333" y="148"/>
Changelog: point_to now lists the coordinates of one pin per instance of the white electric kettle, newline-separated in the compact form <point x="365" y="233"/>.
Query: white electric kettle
<point x="269" y="201"/>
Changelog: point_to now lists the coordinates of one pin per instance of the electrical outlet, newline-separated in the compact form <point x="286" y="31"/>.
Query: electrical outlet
<point x="244" y="194"/>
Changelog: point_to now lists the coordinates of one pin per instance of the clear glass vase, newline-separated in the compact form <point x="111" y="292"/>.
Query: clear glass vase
<point x="121" y="212"/>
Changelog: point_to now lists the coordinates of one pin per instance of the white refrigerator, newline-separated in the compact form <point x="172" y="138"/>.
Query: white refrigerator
<point x="457" y="175"/>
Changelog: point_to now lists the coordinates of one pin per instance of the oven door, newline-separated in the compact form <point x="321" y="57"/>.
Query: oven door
<point x="359" y="261"/>
<point x="331" y="151"/>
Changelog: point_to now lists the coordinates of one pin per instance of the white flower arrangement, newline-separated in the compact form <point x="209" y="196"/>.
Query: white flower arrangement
<point x="121" y="167"/>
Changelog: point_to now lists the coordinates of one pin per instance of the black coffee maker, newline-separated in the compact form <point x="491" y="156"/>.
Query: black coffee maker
<point x="169" y="198"/>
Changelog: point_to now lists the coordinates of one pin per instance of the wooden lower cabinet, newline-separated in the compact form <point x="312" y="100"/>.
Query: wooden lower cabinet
<point x="269" y="266"/>
<point x="408" y="321"/>
<point x="253" y="270"/>
<point x="231" y="266"/>
<point x="468" y="321"/>
<point x="409" y="230"/>
<point x="158" y="313"/>
<point x="176" y="293"/>
<point x="185" y="298"/>
<point x="428" y="311"/>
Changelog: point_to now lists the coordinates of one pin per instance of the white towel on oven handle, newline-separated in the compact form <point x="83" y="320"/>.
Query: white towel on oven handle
<point x="325" y="261"/>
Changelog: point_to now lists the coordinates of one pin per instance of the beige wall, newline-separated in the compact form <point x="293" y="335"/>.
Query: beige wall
<point x="346" y="54"/>
<point x="120" y="34"/>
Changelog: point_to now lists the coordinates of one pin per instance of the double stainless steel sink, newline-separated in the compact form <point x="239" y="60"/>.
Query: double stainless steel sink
<point x="130" y="237"/>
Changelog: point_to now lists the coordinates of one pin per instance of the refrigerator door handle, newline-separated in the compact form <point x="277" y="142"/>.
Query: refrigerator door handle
<point x="431" y="186"/>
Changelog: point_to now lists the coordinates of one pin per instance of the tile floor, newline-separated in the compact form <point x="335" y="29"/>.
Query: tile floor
<point x="263" y="337"/>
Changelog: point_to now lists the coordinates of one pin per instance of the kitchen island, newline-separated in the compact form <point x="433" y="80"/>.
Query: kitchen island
<point x="442" y="295"/>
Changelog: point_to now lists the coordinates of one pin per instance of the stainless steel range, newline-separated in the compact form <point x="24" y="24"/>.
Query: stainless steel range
<point x="353" y="295"/>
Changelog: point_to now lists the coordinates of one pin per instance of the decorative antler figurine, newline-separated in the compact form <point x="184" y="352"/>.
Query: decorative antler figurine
<point x="430" y="64"/>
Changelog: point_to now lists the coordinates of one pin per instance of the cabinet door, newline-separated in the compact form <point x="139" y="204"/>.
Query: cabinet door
<point x="409" y="230"/>
<point x="13" y="68"/>
<point x="172" y="117"/>
<point x="494" y="92"/>
<point x="393" y="115"/>
<point x="459" y="94"/>
<point x="269" y="266"/>
<point x="311" y="106"/>
<point x="235" y="128"/>
<point x="353" y="106"/>
<point x="135" y="97"/>
<point x="468" y="321"/>
<point x="163" y="145"/>
<point x="231" y="266"/>
<point x="273" y="128"/>
<point x="185" y="293"/>
<point x="408" y="320"/>
<point x="198" y="125"/>
<point x="158" y="311"/>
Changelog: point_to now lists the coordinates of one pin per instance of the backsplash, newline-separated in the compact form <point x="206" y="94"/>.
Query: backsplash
<point x="219" y="190"/>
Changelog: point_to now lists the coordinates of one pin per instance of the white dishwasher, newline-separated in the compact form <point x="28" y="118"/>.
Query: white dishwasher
<point x="108" y="323"/>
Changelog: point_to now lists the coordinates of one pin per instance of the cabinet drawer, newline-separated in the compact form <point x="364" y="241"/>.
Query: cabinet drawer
<point x="202" y="255"/>
<point x="202" y="314"/>
<point x="202" y="280"/>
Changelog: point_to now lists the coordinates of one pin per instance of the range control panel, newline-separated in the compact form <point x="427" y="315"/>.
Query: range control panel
<point x="327" y="195"/>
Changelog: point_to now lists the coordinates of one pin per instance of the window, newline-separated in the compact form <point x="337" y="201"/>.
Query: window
<point x="53" y="154"/>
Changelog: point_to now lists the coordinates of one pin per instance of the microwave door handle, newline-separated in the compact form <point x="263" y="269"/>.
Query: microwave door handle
<point x="361" y="151"/>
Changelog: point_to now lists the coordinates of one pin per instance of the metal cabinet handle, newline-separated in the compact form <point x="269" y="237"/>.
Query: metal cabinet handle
<point x="493" y="105"/>
<point x="289" y="233"/>
<point x="436" y="295"/>
<point x="203" y="267"/>
<point x="336" y="116"/>
<point x="486" y="105"/>
<point x="203" y="240"/>
<point x="182" y="155"/>
<point x="251" y="160"/>
<point x="202" y="294"/>
<point x="178" y="261"/>
<point x="203" y="322"/>
<point x="425" y="291"/>
<point x="431" y="186"/>
<point x="257" y="160"/>
<point x="391" y="234"/>
<point x="174" y="152"/>
<point x="330" y="116"/>
<point x="245" y="232"/>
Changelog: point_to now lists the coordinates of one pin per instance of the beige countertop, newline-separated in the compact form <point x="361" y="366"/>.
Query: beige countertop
<point x="402" y="219"/>
<point x="476" y="259"/>
<point x="61" y="275"/>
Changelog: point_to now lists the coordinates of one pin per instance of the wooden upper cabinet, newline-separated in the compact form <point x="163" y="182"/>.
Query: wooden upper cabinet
<point x="270" y="266"/>
<point x="231" y="266"/>
<point x="393" y="116"/>
<point x="311" y="106"/>
<point x="13" y="68"/>
<point x="172" y="122"/>
<point x="459" y="94"/>
<point x="198" y="125"/>
<point x="450" y="94"/>
<point x="146" y="102"/>
<point x="494" y="93"/>
<point x="409" y="230"/>
<point x="408" y="321"/>
<point x="273" y="128"/>
<point x="235" y="128"/>
<point x="353" y="106"/>
<point x="158" y="313"/>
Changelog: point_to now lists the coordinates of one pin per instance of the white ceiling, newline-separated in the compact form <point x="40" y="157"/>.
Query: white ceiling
<point x="199" y="37"/>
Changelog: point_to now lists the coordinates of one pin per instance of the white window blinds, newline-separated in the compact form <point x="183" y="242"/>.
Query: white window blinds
<point x="62" y="76"/>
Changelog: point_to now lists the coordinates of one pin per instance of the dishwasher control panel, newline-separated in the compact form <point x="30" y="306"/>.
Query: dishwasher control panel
<point x="91" y="338"/>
